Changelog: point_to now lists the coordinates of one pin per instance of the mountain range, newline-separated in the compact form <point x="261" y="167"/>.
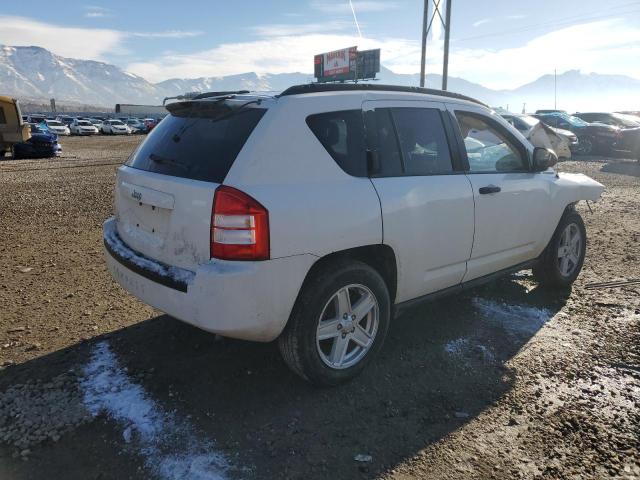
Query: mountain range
<point x="34" y="73"/>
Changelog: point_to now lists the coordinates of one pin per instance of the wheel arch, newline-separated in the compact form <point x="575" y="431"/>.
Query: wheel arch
<point x="380" y="257"/>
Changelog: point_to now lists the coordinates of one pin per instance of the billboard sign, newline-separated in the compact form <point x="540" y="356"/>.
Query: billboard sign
<point x="346" y="64"/>
<point x="338" y="62"/>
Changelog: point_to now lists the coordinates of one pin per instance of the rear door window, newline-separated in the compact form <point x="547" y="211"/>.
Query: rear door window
<point x="342" y="135"/>
<point x="411" y="142"/>
<point x="423" y="141"/>
<point x="199" y="142"/>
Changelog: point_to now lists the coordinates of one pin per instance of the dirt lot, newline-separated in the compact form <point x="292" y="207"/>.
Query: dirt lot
<point x="507" y="381"/>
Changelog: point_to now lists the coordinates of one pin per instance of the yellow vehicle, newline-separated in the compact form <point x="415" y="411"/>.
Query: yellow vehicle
<point x="12" y="129"/>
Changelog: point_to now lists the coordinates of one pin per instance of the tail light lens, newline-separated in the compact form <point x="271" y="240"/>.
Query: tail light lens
<point x="239" y="226"/>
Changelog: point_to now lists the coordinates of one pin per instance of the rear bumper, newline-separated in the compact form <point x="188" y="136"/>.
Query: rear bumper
<point x="246" y="300"/>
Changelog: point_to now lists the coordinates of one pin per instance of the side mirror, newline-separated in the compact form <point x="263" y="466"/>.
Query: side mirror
<point x="543" y="158"/>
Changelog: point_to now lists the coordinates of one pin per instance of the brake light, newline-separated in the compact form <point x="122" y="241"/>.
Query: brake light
<point x="239" y="226"/>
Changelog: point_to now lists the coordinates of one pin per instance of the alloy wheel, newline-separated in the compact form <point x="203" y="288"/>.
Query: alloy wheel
<point x="569" y="250"/>
<point x="347" y="326"/>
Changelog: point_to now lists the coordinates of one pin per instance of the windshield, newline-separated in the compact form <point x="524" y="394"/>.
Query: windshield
<point x="575" y="121"/>
<point x="116" y="122"/>
<point x="84" y="123"/>
<point x="570" y="119"/>
<point x="627" y="120"/>
<point x="53" y="123"/>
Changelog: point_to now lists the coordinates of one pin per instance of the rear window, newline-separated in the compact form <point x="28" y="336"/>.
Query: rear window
<point x="197" y="142"/>
<point x="342" y="135"/>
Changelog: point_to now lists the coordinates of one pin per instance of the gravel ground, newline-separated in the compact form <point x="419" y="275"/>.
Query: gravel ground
<point x="506" y="381"/>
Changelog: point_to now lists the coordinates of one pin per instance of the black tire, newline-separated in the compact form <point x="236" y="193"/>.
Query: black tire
<point x="297" y="342"/>
<point x="548" y="271"/>
<point x="585" y="145"/>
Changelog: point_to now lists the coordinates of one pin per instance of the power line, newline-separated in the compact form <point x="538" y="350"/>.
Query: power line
<point x="560" y="22"/>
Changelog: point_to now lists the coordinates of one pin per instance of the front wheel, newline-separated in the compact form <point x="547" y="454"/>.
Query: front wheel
<point x="585" y="146"/>
<point x="562" y="260"/>
<point x="338" y="324"/>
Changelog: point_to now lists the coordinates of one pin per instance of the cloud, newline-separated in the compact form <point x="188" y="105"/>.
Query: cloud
<point x="283" y="30"/>
<point x="168" y="34"/>
<point x="64" y="41"/>
<point x="283" y="54"/>
<point x="93" y="11"/>
<point x="605" y="46"/>
<point x="481" y="22"/>
<point x="359" y="6"/>
<point x="75" y="42"/>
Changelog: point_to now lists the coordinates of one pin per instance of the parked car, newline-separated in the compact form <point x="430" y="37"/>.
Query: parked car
<point x="150" y="123"/>
<point x="540" y="112"/>
<point x="35" y="118"/>
<point x="57" y="127"/>
<point x="592" y="137"/>
<point x="136" y="125"/>
<point x="562" y="142"/>
<point x="41" y="144"/>
<point x="619" y="120"/>
<point x="65" y="119"/>
<point x="83" y="127"/>
<point x="96" y="122"/>
<point x="12" y="129"/>
<point x="115" y="127"/>
<point x="279" y="233"/>
<point x="628" y="141"/>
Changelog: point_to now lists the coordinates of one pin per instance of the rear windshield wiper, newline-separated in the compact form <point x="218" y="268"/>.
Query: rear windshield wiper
<point x="167" y="161"/>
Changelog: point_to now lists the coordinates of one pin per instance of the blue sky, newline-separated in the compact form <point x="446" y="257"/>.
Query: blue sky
<point x="500" y="43"/>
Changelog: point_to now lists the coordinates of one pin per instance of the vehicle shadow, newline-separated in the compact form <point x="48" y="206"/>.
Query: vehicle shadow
<point x="631" y="168"/>
<point x="443" y="364"/>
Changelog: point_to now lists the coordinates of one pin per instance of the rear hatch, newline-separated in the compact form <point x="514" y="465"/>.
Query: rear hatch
<point x="164" y="193"/>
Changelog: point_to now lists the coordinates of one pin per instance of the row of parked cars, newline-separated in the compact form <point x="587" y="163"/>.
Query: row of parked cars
<point x="68" y="125"/>
<point x="581" y="133"/>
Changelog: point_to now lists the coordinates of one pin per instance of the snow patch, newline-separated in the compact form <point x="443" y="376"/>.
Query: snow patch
<point x="469" y="348"/>
<point x="457" y="346"/>
<point x="516" y="319"/>
<point x="169" y="445"/>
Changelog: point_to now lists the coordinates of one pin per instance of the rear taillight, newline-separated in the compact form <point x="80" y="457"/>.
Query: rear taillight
<point x="239" y="226"/>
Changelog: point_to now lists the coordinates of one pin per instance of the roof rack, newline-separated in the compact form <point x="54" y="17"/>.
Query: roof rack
<point x="341" y="87"/>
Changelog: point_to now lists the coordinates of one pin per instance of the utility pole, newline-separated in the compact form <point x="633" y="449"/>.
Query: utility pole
<point x="555" y="89"/>
<point x="423" y="60"/>
<point x="427" y="22"/>
<point x="445" y="63"/>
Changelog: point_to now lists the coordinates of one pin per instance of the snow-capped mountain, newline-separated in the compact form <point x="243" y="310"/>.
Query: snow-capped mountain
<point x="34" y="72"/>
<point x="37" y="74"/>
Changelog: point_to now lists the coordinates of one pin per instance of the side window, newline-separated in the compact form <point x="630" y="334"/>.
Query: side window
<point x="3" y="119"/>
<point x="488" y="147"/>
<point x="342" y="135"/>
<point x="423" y="141"/>
<point x="411" y="142"/>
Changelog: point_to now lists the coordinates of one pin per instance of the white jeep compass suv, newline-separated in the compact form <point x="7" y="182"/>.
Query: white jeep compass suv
<point x="309" y="216"/>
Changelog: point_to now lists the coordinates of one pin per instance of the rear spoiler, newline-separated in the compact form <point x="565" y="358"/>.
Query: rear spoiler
<point x="199" y="96"/>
